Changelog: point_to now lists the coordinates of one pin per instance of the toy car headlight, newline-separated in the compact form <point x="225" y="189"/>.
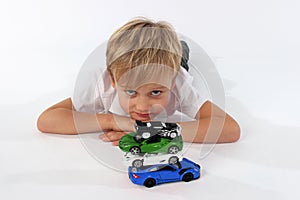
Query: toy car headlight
<point x="134" y="169"/>
<point x="179" y="130"/>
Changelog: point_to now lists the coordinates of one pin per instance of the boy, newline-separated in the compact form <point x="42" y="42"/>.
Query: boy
<point x="144" y="75"/>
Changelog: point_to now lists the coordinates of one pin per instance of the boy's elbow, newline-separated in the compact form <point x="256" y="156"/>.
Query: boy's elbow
<point x="235" y="132"/>
<point x="43" y="124"/>
<point x="231" y="131"/>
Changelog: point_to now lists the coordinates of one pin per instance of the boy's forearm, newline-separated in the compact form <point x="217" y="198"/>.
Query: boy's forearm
<point x="210" y="130"/>
<point x="66" y="121"/>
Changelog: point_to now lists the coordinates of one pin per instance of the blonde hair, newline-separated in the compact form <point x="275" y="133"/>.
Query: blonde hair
<point x="142" y="41"/>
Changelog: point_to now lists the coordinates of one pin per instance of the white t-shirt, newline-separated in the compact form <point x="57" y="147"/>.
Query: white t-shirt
<point x="98" y="96"/>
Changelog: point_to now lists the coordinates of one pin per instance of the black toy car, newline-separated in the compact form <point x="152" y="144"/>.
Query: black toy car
<point x="164" y="129"/>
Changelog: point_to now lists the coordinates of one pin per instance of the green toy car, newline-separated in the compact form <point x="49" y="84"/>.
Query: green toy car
<point x="153" y="144"/>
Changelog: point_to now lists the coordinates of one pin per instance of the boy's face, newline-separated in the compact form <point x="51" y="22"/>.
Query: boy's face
<point x="144" y="90"/>
<point x="145" y="102"/>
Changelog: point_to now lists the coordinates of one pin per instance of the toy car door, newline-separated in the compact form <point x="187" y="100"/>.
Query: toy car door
<point x="168" y="173"/>
<point x="151" y="145"/>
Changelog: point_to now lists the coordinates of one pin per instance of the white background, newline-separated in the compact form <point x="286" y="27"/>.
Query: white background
<point x="254" y="44"/>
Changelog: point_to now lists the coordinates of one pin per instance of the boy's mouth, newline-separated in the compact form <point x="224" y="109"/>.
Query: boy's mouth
<point x="143" y="116"/>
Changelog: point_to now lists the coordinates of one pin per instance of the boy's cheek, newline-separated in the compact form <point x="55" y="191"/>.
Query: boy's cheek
<point x="124" y="103"/>
<point x="157" y="108"/>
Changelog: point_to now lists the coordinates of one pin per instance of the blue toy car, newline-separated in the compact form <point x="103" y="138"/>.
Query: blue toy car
<point x="149" y="176"/>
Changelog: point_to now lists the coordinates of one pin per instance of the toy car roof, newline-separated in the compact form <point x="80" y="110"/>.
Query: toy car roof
<point x="150" y="124"/>
<point x="157" y="124"/>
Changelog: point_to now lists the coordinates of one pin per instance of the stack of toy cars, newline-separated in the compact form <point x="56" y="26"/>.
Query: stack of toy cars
<point x="153" y="154"/>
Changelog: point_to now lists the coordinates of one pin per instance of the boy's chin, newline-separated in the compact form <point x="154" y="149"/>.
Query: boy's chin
<point x="141" y="119"/>
<point x="144" y="119"/>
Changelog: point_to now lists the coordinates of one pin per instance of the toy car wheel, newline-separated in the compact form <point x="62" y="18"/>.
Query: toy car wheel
<point x="135" y="150"/>
<point x="188" y="177"/>
<point x="149" y="182"/>
<point x="173" y="134"/>
<point x="137" y="163"/>
<point x="146" y="135"/>
<point x="173" y="149"/>
<point x="173" y="160"/>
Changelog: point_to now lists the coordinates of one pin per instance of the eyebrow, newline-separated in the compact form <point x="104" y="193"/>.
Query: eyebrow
<point x="158" y="88"/>
<point x="155" y="88"/>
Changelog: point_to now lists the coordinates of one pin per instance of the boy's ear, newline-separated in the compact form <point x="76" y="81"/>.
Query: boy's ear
<point x="112" y="81"/>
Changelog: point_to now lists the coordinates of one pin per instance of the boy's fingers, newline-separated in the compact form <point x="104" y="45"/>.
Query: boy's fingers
<point x="115" y="143"/>
<point x="111" y="136"/>
<point x="103" y="137"/>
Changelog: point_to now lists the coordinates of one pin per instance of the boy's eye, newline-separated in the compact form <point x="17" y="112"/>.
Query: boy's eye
<point x="130" y="92"/>
<point x="156" y="92"/>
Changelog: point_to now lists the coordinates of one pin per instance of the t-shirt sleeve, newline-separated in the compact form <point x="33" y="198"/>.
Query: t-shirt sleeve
<point x="86" y="96"/>
<point x="193" y="94"/>
<point x="192" y="102"/>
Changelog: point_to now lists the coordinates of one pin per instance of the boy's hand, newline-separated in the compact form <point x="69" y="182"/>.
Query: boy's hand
<point x="112" y="136"/>
<point x="118" y="126"/>
<point x="120" y="123"/>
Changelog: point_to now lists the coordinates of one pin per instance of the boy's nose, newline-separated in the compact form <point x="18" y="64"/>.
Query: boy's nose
<point x="142" y="105"/>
